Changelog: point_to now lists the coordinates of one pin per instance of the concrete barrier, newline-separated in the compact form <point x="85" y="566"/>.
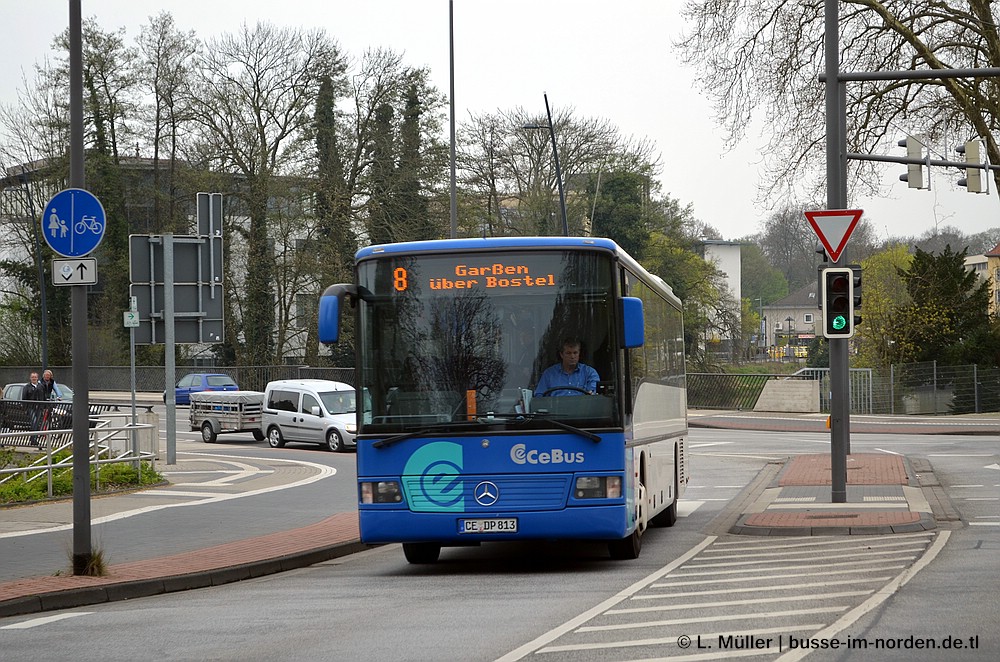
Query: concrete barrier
<point x="789" y="395"/>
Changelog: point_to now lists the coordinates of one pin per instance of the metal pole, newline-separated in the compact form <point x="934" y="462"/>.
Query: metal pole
<point x="82" y="553"/>
<point x="451" y="96"/>
<point x="555" y="156"/>
<point x="835" y="186"/>
<point x="135" y="438"/>
<point x="168" y="347"/>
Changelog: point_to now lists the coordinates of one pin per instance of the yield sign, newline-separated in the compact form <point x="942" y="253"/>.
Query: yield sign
<point x="834" y="228"/>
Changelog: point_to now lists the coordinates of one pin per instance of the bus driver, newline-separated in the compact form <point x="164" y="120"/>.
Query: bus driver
<point x="569" y="376"/>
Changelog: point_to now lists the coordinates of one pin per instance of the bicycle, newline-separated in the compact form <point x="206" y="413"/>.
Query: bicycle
<point x="88" y="223"/>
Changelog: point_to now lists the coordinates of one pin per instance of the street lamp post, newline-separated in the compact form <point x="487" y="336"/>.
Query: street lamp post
<point x="555" y="157"/>
<point x="789" y="332"/>
<point x="761" y="328"/>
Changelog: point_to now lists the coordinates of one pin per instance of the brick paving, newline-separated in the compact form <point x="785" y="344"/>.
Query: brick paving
<point x="862" y="469"/>
<point x="332" y="537"/>
<point x="799" y="499"/>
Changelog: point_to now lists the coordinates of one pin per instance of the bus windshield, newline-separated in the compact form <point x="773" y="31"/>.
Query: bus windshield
<point x="464" y="339"/>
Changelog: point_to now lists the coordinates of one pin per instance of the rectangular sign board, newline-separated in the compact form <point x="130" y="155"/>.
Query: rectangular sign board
<point x="197" y="288"/>
<point x="81" y="271"/>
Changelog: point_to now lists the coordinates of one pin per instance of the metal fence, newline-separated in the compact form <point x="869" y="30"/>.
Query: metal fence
<point x="108" y="444"/>
<point x="914" y="388"/>
<point x="151" y="378"/>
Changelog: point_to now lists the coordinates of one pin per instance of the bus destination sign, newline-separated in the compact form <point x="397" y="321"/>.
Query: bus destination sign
<point x="469" y="277"/>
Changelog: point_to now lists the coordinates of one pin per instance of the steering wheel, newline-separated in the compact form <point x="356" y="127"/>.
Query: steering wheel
<point x="565" y="388"/>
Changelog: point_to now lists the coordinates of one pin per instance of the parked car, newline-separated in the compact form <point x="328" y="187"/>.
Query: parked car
<point x="196" y="382"/>
<point x="15" y="391"/>
<point x="17" y="415"/>
<point x="315" y="411"/>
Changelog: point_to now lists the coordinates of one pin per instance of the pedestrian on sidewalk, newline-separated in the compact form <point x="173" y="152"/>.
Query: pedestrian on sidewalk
<point x="49" y="383"/>
<point x="34" y="391"/>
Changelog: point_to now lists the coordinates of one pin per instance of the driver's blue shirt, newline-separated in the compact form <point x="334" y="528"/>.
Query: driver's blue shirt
<point x="554" y="376"/>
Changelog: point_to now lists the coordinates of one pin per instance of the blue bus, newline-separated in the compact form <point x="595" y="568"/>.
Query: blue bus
<point x="457" y="446"/>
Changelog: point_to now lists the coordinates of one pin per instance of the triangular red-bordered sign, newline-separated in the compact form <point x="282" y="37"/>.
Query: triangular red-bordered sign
<point x="834" y="228"/>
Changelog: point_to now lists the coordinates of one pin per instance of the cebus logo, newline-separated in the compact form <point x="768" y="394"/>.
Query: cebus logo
<point x="519" y="454"/>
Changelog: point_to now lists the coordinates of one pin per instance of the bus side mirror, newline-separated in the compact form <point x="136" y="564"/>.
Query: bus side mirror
<point x="330" y="305"/>
<point x="633" y="322"/>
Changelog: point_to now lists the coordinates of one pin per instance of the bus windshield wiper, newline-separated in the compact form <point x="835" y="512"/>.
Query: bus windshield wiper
<point x="548" y="419"/>
<point x="439" y="427"/>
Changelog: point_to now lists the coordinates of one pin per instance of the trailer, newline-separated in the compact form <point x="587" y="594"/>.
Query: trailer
<point x="218" y="412"/>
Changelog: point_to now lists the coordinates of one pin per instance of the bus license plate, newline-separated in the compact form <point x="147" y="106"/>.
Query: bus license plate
<point x="508" y="525"/>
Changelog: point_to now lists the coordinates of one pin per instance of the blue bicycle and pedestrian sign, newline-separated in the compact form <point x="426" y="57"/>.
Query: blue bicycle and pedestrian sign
<point x="74" y="222"/>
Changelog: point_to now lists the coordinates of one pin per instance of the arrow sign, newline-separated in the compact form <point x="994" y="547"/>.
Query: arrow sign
<point x="74" y="272"/>
<point x="834" y="228"/>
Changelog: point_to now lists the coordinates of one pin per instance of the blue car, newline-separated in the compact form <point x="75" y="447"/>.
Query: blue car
<point x="196" y="382"/>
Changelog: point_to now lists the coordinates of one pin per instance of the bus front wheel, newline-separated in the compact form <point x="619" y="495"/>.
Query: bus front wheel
<point x="421" y="552"/>
<point x="626" y="549"/>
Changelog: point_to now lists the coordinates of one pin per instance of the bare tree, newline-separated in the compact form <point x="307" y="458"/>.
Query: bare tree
<point x="253" y="99"/>
<point x="763" y="58"/>
<point x="790" y="245"/>
<point x="167" y="56"/>
<point x="511" y="173"/>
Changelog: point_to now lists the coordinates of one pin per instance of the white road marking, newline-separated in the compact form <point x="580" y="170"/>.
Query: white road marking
<point x="743" y="579"/>
<point x="687" y="506"/>
<point x="754" y="589"/>
<point x="322" y="472"/>
<point x="871" y="603"/>
<point x="634" y="611"/>
<point x="570" y="625"/>
<point x="716" y="618"/>
<point x="44" y="620"/>
<point x="739" y="603"/>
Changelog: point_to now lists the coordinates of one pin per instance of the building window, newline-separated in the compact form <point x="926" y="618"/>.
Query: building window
<point x="808" y="318"/>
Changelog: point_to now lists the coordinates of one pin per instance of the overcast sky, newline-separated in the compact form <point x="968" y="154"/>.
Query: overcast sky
<point x="607" y="60"/>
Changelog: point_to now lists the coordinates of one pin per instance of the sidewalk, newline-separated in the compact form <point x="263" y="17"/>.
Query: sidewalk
<point x="333" y="537"/>
<point x="885" y="494"/>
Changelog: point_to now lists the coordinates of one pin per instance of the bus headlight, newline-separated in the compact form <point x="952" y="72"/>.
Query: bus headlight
<point x="383" y="491"/>
<point x="598" y="487"/>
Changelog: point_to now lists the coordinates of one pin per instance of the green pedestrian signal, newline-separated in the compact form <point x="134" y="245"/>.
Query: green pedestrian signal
<point x="837" y="285"/>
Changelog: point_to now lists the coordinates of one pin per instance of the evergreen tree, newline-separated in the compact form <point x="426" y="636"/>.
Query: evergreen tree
<point x="947" y="318"/>
<point x="336" y="241"/>
<point x="381" y="202"/>
<point x="412" y="221"/>
<point x="619" y="213"/>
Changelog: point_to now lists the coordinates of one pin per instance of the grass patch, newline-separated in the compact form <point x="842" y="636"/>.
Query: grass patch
<point x="33" y="486"/>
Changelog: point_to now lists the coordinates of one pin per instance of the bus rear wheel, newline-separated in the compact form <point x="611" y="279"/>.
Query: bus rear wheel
<point x="421" y="552"/>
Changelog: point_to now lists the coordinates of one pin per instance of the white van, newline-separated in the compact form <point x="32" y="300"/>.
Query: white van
<point x="314" y="411"/>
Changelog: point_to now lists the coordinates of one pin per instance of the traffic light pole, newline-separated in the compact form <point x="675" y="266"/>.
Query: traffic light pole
<point x="840" y="419"/>
<point x="836" y="198"/>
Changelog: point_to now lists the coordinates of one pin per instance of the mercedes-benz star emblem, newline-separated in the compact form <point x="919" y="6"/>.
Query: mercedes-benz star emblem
<point x="486" y="493"/>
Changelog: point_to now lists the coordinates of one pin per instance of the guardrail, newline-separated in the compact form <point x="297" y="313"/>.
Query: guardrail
<point x="108" y="444"/>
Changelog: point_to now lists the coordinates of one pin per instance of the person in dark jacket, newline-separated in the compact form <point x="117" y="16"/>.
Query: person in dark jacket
<point x="49" y="382"/>
<point x="34" y="390"/>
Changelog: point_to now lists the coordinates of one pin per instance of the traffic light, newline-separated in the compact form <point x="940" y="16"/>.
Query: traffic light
<point x="838" y="302"/>
<point x="974" y="179"/>
<point x="856" y="292"/>
<point x="914" y="176"/>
